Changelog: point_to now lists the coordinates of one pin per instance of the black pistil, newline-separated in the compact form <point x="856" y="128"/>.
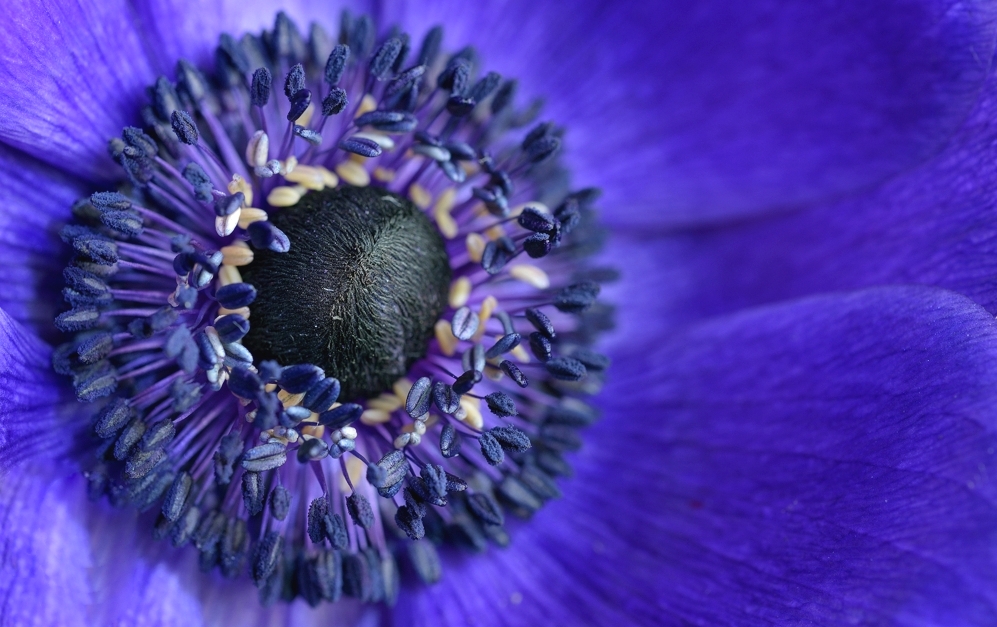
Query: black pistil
<point x="357" y="294"/>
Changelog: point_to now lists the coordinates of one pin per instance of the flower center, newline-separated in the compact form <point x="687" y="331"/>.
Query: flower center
<point x="332" y="328"/>
<point x="357" y="294"/>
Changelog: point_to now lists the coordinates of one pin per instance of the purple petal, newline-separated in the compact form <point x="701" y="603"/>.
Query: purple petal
<point x="935" y="224"/>
<point x="38" y="413"/>
<point x="691" y="112"/>
<point x="820" y="462"/>
<point x="75" y="74"/>
<point x="36" y="201"/>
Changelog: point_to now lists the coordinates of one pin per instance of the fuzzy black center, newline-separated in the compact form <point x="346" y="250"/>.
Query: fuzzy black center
<point x="365" y="280"/>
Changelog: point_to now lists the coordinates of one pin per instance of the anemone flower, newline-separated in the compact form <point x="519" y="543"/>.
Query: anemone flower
<point x="819" y="459"/>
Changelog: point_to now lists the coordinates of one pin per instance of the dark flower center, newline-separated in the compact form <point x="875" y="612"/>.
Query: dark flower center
<point x="358" y="292"/>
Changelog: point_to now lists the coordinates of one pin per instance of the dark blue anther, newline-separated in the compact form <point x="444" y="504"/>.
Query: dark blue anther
<point x="577" y="297"/>
<point x="229" y="450"/>
<point x="494" y="257"/>
<point x="404" y="81"/>
<point x="360" y="510"/>
<point x="596" y="362"/>
<point x="435" y="479"/>
<point x="418" y="398"/>
<point x="362" y="35"/>
<point x="511" y="438"/>
<point x="184" y="127"/>
<point x="128" y="223"/>
<point x="537" y="245"/>
<point x="543" y="149"/>
<point x="231" y="328"/>
<point x="191" y="82"/>
<point x="454" y="76"/>
<point x="259" y="91"/>
<point x="78" y="319"/>
<point x="176" y="497"/>
<point x="318" y="511"/>
<point x="464" y="323"/>
<point x="95" y="347"/>
<point x="452" y="171"/>
<point x="532" y="219"/>
<point x="485" y="87"/>
<point x="392" y="121"/>
<point x="568" y="215"/>
<point x="430" y="46"/>
<point x="485" y="509"/>
<point x="184" y="395"/>
<point x="97" y="384"/>
<point x="269" y="411"/>
<point x="266" y="556"/>
<point x="335" y="102"/>
<point x="264" y="457"/>
<point x="294" y="414"/>
<point x="460" y="151"/>
<point x="236" y="295"/>
<point x="336" y="64"/>
<point x="514" y="373"/>
<point x="384" y="58"/>
<point x="322" y="395"/>
<point x="158" y="436"/>
<point x="390" y="470"/>
<point x="504" y="344"/>
<point x="99" y="249"/>
<point x="514" y="492"/>
<point x="566" y="368"/>
<point x="491" y="449"/>
<point x="86" y="283"/>
<point x="164" y="99"/>
<point x="198" y="179"/>
<point x="540" y="346"/>
<point x="425" y="561"/>
<point x="110" y="200"/>
<point x="539" y="482"/>
<point x="227" y="205"/>
<point x="130" y="436"/>
<point x="310" y="136"/>
<point x="299" y="102"/>
<point x="501" y="404"/>
<point x="136" y="138"/>
<point x="342" y="416"/>
<point x="234" y="547"/>
<point x="112" y="418"/>
<point x="312" y="450"/>
<point x="141" y="463"/>
<point x="244" y="383"/>
<point x="504" y="96"/>
<point x="280" y="502"/>
<point x="230" y="54"/>
<point x="540" y="322"/>
<point x="466" y="382"/>
<point x="360" y="146"/>
<point x="299" y="378"/>
<point x="269" y="371"/>
<point x="265" y="235"/>
<point x="295" y="80"/>
<point x="494" y="199"/>
<point x="409" y="522"/>
<point x="445" y="398"/>
<point x="449" y="441"/>
<point x="183" y="529"/>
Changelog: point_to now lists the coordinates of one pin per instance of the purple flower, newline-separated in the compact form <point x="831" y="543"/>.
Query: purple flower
<point x="822" y="456"/>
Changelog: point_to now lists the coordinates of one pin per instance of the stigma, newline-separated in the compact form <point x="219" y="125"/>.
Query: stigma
<point x="337" y="314"/>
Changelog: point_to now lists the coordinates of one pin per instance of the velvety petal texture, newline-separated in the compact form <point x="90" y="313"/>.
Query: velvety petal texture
<point x="37" y="200"/>
<point x="38" y="415"/>
<point x="721" y="110"/>
<point x="80" y="69"/>
<point x="827" y="461"/>
<point x="935" y="224"/>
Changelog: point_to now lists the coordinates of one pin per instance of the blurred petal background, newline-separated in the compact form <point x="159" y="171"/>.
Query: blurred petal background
<point x="799" y="423"/>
